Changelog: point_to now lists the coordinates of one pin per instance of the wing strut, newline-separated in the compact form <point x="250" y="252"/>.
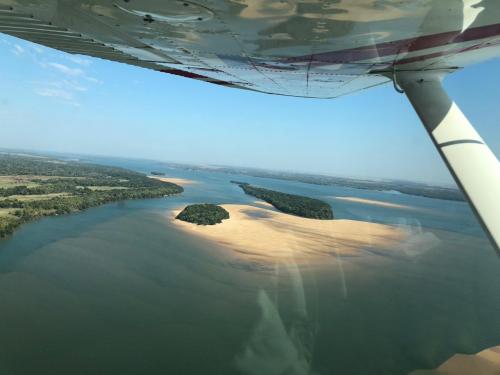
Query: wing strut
<point x="472" y="164"/>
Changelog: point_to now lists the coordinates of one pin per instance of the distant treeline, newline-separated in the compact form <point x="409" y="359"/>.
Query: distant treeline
<point x="289" y="203"/>
<point x="81" y="186"/>
<point x="405" y="187"/>
<point x="203" y="214"/>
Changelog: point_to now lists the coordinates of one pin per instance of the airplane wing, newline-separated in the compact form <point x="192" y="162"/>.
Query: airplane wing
<point x="307" y="48"/>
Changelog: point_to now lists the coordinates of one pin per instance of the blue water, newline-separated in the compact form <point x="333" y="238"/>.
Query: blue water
<point x="118" y="289"/>
<point x="431" y="213"/>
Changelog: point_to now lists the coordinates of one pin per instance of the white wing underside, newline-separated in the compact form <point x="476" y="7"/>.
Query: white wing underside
<point x="307" y="48"/>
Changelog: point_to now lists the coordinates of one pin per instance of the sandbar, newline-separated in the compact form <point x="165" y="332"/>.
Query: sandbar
<point x="265" y="235"/>
<point x="375" y="202"/>
<point x="175" y="180"/>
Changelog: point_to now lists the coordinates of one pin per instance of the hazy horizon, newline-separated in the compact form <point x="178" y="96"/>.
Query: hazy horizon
<point x="55" y="154"/>
<point x="76" y="104"/>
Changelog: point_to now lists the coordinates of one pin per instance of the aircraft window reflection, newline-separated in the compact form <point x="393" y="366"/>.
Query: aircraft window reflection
<point x="187" y="187"/>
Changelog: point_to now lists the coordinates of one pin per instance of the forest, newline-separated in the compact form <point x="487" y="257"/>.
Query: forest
<point x="290" y="203"/>
<point x="203" y="214"/>
<point x="32" y="187"/>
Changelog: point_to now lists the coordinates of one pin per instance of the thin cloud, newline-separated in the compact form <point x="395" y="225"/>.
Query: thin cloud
<point x="80" y="60"/>
<point x="62" y="84"/>
<point x="24" y="47"/>
<point x="74" y="72"/>
<point x="55" y="93"/>
<point x="63" y="90"/>
<point x="79" y="88"/>
<point x="37" y="48"/>
<point x="18" y="50"/>
<point x="65" y="77"/>
<point x="93" y="80"/>
<point x="68" y="85"/>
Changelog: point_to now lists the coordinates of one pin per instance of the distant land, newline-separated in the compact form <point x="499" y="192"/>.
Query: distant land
<point x="32" y="187"/>
<point x="404" y="187"/>
<point x="298" y="205"/>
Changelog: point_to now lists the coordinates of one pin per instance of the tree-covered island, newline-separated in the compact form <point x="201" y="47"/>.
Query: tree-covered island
<point x="32" y="187"/>
<point x="289" y="203"/>
<point x="203" y="214"/>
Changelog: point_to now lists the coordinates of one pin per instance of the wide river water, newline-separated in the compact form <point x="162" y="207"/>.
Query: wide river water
<point x="119" y="290"/>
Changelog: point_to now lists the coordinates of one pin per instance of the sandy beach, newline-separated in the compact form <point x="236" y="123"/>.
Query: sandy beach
<point x="175" y="180"/>
<point x="265" y="235"/>
<point x="374" y="202"/>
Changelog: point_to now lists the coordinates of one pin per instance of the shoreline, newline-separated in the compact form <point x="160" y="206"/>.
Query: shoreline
<point x="174" y="180"/>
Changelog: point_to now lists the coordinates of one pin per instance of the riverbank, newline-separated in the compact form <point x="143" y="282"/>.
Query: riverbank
<point x="174" y="180"/>
<point x="31" y="188"/>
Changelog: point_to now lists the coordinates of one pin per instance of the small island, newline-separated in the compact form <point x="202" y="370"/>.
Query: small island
<point x="155" y="173"/>
<point x="203" y="214"/>
<point x="298" y="205"/>
<point x="34" y="186"/>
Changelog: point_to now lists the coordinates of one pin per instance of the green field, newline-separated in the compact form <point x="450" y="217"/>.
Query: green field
<point x="6" y="212"/>
<point x="35" y="197"/>
<point x="33" y="187"/>
<point x="26" y="180"/>
<point x="103" y="188"/>
<point x="10" y="181"/>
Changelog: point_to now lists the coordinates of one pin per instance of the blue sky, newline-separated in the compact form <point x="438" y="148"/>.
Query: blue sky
<point x="54" y="101"/>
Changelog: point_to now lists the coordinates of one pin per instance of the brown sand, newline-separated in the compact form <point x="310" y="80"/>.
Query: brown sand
<point x="265" y="235"/>
<point x="175" y="180"/>
<point x="486" y="362"/>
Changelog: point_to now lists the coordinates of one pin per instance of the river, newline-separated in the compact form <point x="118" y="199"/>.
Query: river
<point x="118" y="289"/>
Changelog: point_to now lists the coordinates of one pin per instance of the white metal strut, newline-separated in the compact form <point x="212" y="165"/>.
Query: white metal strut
<point x="472" y="164"/>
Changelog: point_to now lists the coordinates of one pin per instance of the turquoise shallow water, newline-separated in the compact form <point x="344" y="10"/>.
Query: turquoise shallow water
<point x="117" y="289"/>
